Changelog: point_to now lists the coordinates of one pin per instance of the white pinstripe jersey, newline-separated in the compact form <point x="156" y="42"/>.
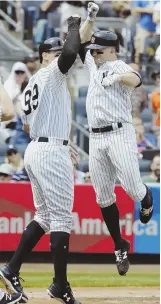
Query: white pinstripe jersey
<point x="46" y="104"/>
<point x="110" y="104"/>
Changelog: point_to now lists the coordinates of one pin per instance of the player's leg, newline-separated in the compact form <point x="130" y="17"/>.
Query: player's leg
<point x="9" y="299"/>
<point x="58" y="185"/>
<point x="103" y="178"/>
<point x="30" y="237"/>
<point x="124" y="156"/>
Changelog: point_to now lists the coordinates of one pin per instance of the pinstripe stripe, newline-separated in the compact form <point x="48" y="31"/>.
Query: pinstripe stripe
<point x="113" y="154"/>
<point x="52" y="118"/>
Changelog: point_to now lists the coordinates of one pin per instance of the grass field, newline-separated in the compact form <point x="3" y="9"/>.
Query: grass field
<point x="96" y="284"/>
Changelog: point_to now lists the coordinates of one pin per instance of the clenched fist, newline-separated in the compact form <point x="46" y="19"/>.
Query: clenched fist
<point x="93" y="9"/>
<point x="110" y="80"/>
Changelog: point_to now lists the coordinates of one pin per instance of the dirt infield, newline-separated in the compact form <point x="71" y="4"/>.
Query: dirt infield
<point x="111" y="295"/>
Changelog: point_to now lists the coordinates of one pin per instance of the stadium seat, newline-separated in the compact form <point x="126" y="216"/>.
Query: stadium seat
<point x="152" y="138"/>
<point x="146" y="115"/>
<point x="21" y="148"/>
<point x="1" y="160"/>
<point x="147" y="126"/>
<point x="80" y="107"/>
<point x="144" y="165"/>
<point x="83" y="91"/>
<point x="84" y="165"/>
<point x="3" y="149"/>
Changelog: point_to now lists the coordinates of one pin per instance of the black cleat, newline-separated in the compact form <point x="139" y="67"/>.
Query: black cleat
<point x="11" y="299"/>
<point x="122" y="261"/>
<point x="12" y="282"/>
<point x="66" y="296"/>
<point x="146" y="213"/>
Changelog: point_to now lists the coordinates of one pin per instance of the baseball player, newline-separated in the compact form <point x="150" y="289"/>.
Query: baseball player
<point x="113" y="149"/>
<point x="47" y="116"/>
<point x="7" y="113"/>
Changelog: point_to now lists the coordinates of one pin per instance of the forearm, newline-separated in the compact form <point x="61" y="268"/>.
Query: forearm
<point x="140" y="10"/>
<point x="86" y="31"/>
<point x="6" y="105"/>
<point x="70" y="51"/>
<point x="130" y="80"/>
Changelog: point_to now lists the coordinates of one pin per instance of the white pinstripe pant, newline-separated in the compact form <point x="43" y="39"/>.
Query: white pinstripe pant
<point x="114" y="155"/>
<point x="50" y="170"/>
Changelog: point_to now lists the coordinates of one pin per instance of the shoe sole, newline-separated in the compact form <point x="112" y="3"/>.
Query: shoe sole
<point x="9" y="286"/>
<point x="58" y="299"/>
<point x="16" y="301"/>
<point x="128" y="248"/>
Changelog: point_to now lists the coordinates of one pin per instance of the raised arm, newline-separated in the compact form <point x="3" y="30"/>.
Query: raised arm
<point x="6" y="105"/>
<point x="71" y="45"/>
<point x="86" y="29"/>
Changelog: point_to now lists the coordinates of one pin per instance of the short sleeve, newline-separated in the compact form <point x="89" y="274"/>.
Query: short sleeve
<point x="123" y="68"/>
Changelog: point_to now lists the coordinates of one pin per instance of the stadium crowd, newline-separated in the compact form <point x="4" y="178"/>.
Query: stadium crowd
<point x="44" y="19"/>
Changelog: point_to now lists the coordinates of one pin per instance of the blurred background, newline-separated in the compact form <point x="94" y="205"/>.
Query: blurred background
<point x="23" y="26"/>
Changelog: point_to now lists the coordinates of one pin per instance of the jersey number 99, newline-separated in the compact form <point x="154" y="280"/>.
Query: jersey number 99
<point x="29" y="98"/>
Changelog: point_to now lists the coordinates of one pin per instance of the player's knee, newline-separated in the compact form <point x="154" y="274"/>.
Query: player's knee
<point x="45" y="225"/>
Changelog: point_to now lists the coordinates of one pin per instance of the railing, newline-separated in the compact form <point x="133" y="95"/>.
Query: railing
<point x="10" y="21"/>
<point x="83" y="133"/>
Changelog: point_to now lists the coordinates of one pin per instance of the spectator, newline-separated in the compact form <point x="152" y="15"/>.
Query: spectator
<point x="6" y="172"/>
<point x="31" y="64"/>
<point x="87" y="178"/>
<point x="154" y="177"/>
<point x="13" y="84"/>
<point x="155" y="98"/>
<point x="78" y="177"/>
<point x="14" y="158"/>
<point x="142" y="142"/>
<point x="139" y="97"/>
<point x="21" y="176"/>
<point x="67" y="9"/>
<point x="145" y="27"/>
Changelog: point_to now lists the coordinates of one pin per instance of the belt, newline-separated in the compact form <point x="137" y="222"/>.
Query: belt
<point x="106" y="129"/>
<point x="46" y="139"/>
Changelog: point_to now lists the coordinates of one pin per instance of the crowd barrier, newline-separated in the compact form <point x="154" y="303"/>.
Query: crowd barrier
<point x="89" y="232"/>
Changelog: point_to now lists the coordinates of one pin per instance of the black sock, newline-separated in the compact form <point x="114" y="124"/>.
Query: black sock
<point x="111" y="217"/>
<point x="60" y="248"/>
<point x="29" y="239"/>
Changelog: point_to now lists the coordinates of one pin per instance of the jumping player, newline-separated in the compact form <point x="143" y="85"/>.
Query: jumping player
<point x="47" y="117"/>
<point x="113" y="148"/>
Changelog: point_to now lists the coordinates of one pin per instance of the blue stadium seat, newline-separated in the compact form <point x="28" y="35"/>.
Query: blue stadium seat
<point x="1" y="159"/>
<point x="80" y="107"/>
<point x="84" y="165"/>
<point x="144" y="165"/>
<point x="147" y="126"/>
<point x="146" y="115"/>
<point x="83" y="91"/>
<point x="3" y="149"/>
<point x="152" y="138"/>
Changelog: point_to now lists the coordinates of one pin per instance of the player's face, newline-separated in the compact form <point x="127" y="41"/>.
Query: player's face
<point x="102" y="55"/>
<point x="51" y="55"/>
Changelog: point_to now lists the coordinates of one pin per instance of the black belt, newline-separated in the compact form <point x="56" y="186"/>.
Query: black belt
<point x="106" y="129"/>
<point x="46" y="139"/>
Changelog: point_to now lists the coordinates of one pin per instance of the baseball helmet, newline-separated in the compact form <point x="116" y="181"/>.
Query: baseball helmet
<point x="103" y="39"/>
<point x="51" y="44"/>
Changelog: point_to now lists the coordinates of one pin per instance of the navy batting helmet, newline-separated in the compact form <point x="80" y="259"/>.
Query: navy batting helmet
<point x="103" y="39"/>
<point x="51" y="44"/>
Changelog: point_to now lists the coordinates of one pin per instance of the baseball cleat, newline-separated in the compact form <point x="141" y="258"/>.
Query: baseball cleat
<point x="146" y="213"/>
<point x="122" y="261"/>
<point x="12" y="282"/>
<point x="11" y="299"/>
<point x="66" y="296"/>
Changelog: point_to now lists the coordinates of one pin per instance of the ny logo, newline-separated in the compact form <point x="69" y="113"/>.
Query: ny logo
<point x="8" y="297"/>
<point x="15" y="281"/>
<point x="124" y="255"/>
<point x="66" y="297"/>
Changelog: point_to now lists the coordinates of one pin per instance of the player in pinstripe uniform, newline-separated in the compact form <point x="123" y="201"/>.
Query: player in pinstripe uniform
<point x="7" y="113"/>
<point x="47" y="116"/>
<point x="113" y="149"/>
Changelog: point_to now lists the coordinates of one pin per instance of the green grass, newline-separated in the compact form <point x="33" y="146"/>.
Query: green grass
<point x="44" y="279"/>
